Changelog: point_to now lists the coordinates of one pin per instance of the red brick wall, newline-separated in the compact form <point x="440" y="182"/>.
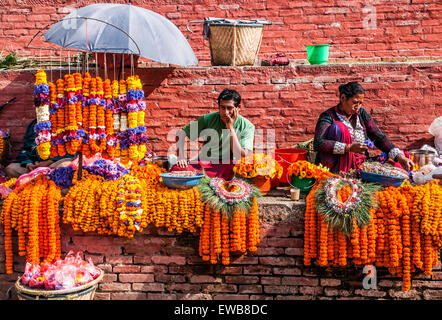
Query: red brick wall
<point x="157" y="264"/>
<point x="404" y="29"/>
<point x="403" y="98"/>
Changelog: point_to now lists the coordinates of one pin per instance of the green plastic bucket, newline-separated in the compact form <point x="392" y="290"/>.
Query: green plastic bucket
<point x="303" y="184"/>
<point x="317" y="54"/>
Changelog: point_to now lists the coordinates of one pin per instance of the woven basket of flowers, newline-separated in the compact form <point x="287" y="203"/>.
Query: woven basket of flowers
<point x="84" y="292"/>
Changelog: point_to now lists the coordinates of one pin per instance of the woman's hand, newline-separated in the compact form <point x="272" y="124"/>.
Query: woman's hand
<point x="406" y="163"/>
<point x="357" y="148"/>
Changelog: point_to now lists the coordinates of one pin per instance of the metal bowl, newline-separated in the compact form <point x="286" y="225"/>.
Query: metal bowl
<point x="422" y="157"/>
<point x="161" y="161"/>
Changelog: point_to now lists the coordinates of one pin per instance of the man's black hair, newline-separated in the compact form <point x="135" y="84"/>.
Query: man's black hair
<point x="350" y="89"/>
<point x="230" y="94"/>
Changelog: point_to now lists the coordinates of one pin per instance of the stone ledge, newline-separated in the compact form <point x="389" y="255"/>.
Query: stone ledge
<point x="278" y="207"/>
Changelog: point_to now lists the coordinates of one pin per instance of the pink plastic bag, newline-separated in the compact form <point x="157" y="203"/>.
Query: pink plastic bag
<point x="30" y="271"/>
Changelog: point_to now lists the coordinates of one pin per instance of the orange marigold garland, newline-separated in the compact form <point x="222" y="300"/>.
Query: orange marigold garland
<point x="43" y="125"/>
<point x="32" y="210"/>
<point x="231" y="222"/>
<point x="401" y="236"/>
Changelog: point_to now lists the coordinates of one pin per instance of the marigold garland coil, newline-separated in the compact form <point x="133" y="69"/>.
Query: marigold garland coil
<point x="404" y="233"/>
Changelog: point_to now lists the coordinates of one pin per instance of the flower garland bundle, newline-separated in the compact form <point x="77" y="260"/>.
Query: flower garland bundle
<point x="85" y="148"/>
<point x="341" y="214"/>
<point x="305" y="169"/>
<point x="129" y="206"/>
<point x="132" y="117"/>
<point x="93" y="103"/>
<point x="43" y="125"/>
<point x="32" y="210"/>
<point x="81" y="204"/>
<point x="2" y="145"/>
<point x="60" y="124"/>
<point x="109" y="120"/>
<point x="149" y="173"/>
<point x="176" y="210"/>
<point x="122" y="136"/>
<point x="231" y="222"/>
<point x="107" y="169"/>
<point x="62" y="176"/>
<point x="101" y="118"/>
<point x="114" y="138"/>
<point x="258" y="164"/>
<point x="404" y="233"/>
<point x="53" y="108"/>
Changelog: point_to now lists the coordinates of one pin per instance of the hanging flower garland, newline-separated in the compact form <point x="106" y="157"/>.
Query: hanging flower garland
<point x="109" y="125"/>
<point x="340" y="214"/>
<point x="228" y="196"/>
<point x="43" y="125"/>
<point x="404" y="233"/>
<point x="53" y="108"/>
<point x="32" y="210"/>
<point x="231" y="222"/>
<point x="122" y="136"/>
<point x="101" y="118"/>
<point x="141" y="126"/>
<point x="132" y="117"/>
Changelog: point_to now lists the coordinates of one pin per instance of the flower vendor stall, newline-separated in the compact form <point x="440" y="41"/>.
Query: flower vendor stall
<point x="391" y="223"/>
<point x="120" y="193"/>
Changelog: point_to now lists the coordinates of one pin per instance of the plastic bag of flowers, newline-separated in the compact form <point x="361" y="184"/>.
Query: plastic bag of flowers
<point x="66" y="273"/>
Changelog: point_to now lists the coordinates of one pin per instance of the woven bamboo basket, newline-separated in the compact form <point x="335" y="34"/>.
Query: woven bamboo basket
<point x="234" y="44"/>
<point x="84" y="292"/>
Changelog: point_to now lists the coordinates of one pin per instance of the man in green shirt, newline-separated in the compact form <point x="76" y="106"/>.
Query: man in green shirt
<point x="227" y="135"/>
<point x="28" y="158"/>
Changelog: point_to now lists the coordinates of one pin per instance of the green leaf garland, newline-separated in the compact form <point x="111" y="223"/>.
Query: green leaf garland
<point x="227" y="205"/>
<point x="341" y="217"/>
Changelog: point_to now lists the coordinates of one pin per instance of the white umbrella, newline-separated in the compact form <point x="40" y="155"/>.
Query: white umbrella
<point x="122" y="28"/>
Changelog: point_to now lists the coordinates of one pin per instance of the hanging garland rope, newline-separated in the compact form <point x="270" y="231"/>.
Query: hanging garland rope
<point x="340" y="214"/>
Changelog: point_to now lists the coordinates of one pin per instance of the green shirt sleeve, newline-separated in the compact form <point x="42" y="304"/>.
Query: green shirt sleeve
<point x="193" y="129"/>
<point x="247" y="136"/>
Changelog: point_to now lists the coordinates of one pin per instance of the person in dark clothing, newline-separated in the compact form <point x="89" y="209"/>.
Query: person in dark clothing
<point x="342" y="131"/>
<point x="28" y="158"/>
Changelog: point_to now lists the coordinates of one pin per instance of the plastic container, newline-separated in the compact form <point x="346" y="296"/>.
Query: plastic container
<point x="181" y="182"/>
<point x="286" y="157"/>
<point x="381" y="179"/>
<point x="263" y="184"/>
<point x="318" y="54"/>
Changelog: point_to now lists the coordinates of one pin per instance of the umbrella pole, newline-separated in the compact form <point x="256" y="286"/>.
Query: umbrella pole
<point x="121" y="68"/>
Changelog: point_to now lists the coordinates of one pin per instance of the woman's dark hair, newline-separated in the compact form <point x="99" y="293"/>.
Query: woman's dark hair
<point x="350" y="89"/>
<point x="230" y="94"/>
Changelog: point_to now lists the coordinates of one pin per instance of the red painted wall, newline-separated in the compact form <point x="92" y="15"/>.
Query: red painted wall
<point x="403" y="98"/>
<point x="357" y="30"/>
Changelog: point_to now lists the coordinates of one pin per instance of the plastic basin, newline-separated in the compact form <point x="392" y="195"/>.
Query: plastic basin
<point x="286" y="157"/>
